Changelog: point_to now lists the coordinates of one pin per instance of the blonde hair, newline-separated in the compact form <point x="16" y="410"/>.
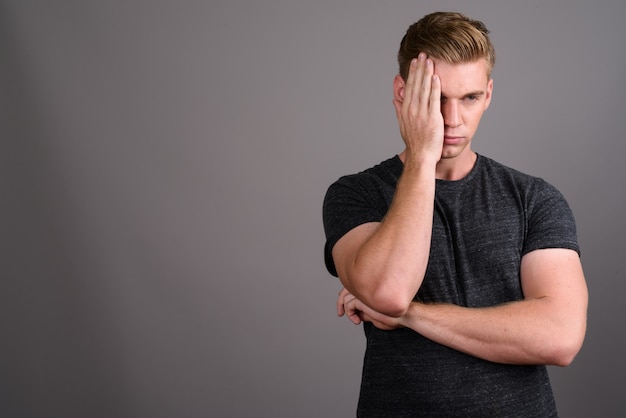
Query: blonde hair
<point x="448" y="36"/>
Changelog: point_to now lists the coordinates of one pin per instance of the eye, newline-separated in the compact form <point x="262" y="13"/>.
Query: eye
<point x="471" y="98"/>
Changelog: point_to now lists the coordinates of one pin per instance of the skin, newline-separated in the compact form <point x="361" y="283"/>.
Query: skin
<point x="439" y="108"/>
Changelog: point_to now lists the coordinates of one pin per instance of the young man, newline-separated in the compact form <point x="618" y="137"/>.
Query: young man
<point x="465" y="273"/>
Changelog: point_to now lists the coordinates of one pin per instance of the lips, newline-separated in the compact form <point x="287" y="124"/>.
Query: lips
<point x="452" y="140"/>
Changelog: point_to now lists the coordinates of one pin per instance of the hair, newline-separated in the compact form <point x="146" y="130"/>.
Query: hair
<point x="448" y="36"/>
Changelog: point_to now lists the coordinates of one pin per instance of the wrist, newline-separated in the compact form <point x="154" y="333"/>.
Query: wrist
<point x="409" y="316"/>
<point x="422" y="159"/>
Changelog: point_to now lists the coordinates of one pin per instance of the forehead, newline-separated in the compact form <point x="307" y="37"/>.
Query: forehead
<point x="459" y="79"/>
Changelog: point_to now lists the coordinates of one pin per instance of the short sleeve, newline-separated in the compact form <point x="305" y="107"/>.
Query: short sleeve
<point x="550" y="221"/>
<point x="349" y="202"/>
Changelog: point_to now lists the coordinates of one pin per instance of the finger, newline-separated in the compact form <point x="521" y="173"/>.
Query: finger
<point x="352" y="311"/>
<point x="340" y="301"/>
<point x="435" y="95"/>
<point x="355" y="317"/>
<point x="426" y="86"/>
<point x="417" y="83"/>
<point x="409" y="86"/>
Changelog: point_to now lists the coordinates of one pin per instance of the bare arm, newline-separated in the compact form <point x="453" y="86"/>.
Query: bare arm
<point x="383" y="264"/>
<point x="547" y="327"/>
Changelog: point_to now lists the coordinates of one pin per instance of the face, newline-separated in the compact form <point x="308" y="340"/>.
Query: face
<point x="465" y="95"/>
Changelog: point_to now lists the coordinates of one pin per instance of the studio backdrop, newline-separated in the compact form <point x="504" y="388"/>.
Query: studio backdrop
<point x="162" y="171"/>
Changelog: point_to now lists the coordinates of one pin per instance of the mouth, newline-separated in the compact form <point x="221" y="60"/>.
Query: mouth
<point x="452" y="140"/>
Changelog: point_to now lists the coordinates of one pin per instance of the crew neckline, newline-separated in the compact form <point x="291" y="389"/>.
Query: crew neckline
<point x="450" y="183"/>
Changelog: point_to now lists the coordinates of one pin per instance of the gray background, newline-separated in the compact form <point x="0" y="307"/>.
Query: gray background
<point x="163" y="166"/>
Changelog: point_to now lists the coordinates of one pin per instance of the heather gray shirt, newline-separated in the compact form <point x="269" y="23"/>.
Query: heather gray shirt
<point x="482" y="226"/>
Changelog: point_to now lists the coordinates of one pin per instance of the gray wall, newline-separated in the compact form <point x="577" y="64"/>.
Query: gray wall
<point x="163" y="166"/>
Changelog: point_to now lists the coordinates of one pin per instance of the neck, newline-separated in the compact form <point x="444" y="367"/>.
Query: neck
<point x="456" y="168"/>
<point x="452" y="169"/>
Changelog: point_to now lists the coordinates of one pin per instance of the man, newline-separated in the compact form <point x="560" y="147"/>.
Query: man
<point x="465" y="273"/>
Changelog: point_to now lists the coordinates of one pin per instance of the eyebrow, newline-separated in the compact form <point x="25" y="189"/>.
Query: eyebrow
<point x="471" y="93"/>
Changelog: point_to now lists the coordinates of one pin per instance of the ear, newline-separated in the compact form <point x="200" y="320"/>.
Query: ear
<point x="488" y="93"/>
<point x="398" y="88"/>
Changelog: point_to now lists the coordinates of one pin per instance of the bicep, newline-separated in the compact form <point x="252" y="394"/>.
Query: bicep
<point x="557" y="274"/>
<point x="346" y="249"/>
<point x="552" y="270"/>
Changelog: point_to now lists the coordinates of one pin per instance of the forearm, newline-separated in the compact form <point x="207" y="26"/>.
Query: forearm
<point x="389" y="267"/>
<point x="384" y="263"/>
<point x="531" y="331"/>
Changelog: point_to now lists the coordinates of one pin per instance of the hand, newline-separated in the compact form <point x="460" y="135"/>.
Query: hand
<point x="418" y="108"/>
<point x="357" y="312"/>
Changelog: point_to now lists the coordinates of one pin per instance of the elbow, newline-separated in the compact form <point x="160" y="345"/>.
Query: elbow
<point x="565" y="350"/>
<point x="386" y="295"/>
<point x="394" y="310"/>
<point x="563" y="358"/>
<point x="391" y="303"/>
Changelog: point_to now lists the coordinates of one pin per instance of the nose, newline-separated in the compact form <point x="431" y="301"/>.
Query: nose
<point x="451" y="115"/>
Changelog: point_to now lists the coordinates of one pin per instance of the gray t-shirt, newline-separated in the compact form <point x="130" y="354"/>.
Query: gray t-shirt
<point x="482" y="226"/>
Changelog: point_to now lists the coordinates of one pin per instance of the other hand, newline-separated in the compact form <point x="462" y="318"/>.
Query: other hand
<point x="357" y="312"/>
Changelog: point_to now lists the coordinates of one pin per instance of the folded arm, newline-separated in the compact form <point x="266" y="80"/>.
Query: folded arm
<point x="383" y="263"/>
<point x="546" y="327"/>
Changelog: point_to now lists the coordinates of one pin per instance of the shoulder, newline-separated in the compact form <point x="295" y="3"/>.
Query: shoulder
<point x="380" y="179"/>
<point x="501" y="171"/>
<point x="387" y="171"/>
<point x="357" y="199"/>
<point x="548" y="218"/>
<point x="527" y="185"/>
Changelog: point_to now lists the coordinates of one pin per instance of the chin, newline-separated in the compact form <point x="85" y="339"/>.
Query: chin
<point x="449" y="154"/>
<point x="454" y="151"/>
